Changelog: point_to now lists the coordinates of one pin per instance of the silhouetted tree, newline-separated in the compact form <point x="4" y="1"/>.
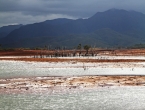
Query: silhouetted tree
<point x="87" y="47"/>
<point x="0" y="46"/>
<point x="79" y="47"/>
<point x="45" y="47"/>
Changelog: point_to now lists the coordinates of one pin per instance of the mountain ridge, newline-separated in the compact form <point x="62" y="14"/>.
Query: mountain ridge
<point x="5" y="30"/>
<point x="116" y="24"/>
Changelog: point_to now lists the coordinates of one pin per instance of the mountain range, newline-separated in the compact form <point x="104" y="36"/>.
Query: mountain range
<point x="111" y="28"/>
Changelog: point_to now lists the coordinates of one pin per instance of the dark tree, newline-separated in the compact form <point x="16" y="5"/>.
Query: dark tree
<point x="87" y="47"/>
<point x="79" y="47"/>
<point x="0" y="45"/>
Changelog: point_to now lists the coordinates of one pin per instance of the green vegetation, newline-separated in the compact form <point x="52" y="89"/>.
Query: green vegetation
<point x="0" y="47"/>
<point x="7" y="49"/>
<point x="79" y="47"/>
<point x="138" y="46"/>
<point x="87" y="47"/>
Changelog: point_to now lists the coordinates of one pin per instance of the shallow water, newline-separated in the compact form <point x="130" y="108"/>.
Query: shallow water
<point x="10" y="69"/>
<point x="113" y="98"/>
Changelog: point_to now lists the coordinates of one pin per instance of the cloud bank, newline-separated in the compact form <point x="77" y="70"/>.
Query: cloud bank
<point x="31" y="11"/>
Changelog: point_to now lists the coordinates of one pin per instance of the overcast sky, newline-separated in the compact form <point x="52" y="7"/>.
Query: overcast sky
<point x="30" y="11"/>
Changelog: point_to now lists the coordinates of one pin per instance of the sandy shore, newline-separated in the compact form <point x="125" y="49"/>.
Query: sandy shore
<point x="59" y="84"/>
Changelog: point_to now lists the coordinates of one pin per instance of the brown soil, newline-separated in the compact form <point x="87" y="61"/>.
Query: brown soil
<point x="19" y="52"/>
<point x="38" y="53"/>
<point x="48" y="83"/>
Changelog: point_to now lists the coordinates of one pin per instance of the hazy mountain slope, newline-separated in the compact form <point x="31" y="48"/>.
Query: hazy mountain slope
<point x="100" y="38"/>
<point x="5" y="30"/>
<point x="118" y="20"/>
<point x="106" y="29"/>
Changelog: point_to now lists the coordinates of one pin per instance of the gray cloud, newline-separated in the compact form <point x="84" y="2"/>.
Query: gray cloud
<point x="30" y="11"/>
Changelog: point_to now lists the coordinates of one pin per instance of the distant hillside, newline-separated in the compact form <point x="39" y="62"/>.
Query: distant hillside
<point x="112" y="28"/>
<point x="5" y="30"/>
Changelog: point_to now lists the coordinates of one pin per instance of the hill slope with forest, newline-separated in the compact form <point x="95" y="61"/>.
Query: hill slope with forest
<point x="112" y="28"/>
